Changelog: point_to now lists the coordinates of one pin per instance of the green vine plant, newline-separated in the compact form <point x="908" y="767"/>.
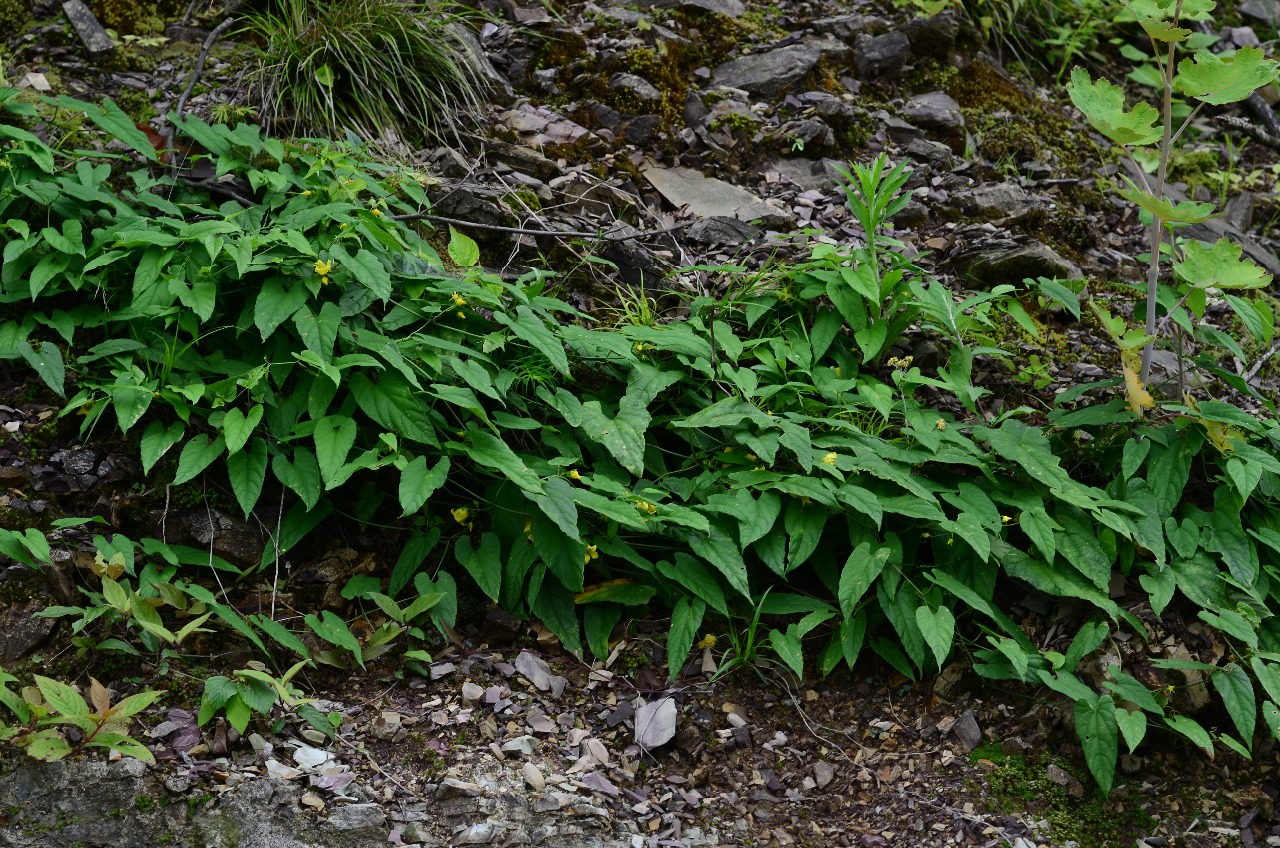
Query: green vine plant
<point x="1199" y="271"/>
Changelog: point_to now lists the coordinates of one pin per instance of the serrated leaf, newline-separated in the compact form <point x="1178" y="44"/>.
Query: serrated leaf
<point x="1184" y="212"/>
<point x="1103" y="105"/>
<point x="367" y="268"/>
<point x="1216" y="80"/>
<point x="61" y="697"/>
<point x="138" y="702"/>
<point x="462" y="249"/>
<point x="1221" y="266"/>
<point x="1096" y="726"/>
<point x="1236" y="690"/>
<point x="47" y="746"/>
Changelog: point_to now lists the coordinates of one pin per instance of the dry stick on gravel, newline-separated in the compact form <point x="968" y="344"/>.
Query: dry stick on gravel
<point x="191" y="84"/>
<point x="521" y="231"/>
<point x="1254" y="131"/>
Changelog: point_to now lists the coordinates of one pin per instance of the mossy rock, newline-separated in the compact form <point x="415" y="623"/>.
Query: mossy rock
<point x="14" y="15"/>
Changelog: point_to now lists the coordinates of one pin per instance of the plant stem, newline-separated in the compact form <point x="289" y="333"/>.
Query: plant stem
<point x="1157" y="225"/>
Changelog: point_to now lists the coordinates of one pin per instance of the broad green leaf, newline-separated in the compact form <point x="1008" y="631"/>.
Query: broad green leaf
<point x="598" y="622"/>
<point x="1221" y="266"/>
<point x="276" y="304"/>
<point x="564" y="557"/>
<point x="47" y="746"/>
<point x="334" y="435"/>
<point x="787" y="646"/>
<point x="238" y="427"/>
<point x="939" y="630"/>
<point x="367" y="268"/>
<point x="61" y="697"/>
<point x="417" y="483"/>
<point x="302" y="475"/>
<point x="689" y="572"/>
<point x="1216" y="80"/>
<point x="329" y="627"/>
<point x="530" y="328"/>
<point x="47" y="362"/>
<point x="1096" y="726"/>
<point x="557" y="504"/>
<point x="138" y="702"/>
<point x="462" y="249"/>
<point x="686" y="618"/>
<point x="156" y="441"/>
<point x="1129" y="688"/>
<point x="489" y="451"/>
<point x="1102" y="103"/>
<point x="196" y="456"/>
<point x="1133" y="727"/>
<point x="1086" y="641"/>
<point x="1236" y="690"/>
<point x="1268" y="675"/>
<point x="395" y="404"/>
<point x="1271" y="713"/>
<point x="860" y="570"/>
<point x="623" y="592"/>
<point x="1184" y="212"/>
<point x="1191" y="729"/>
<point x="247" y="471"/>
<point x="484" y="564"/>
<point x="718" y="547"/>
<point x="112" y="119"/>
<point x="1078" y="545"/>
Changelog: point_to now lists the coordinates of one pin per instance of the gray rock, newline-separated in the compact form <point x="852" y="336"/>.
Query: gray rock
<point x="771" y="73"/>
<point x="642" y="130"/>
<point x="999" y="200"/>
<point x="806" y="135"/>
<point x="707" y="197"/>
<point x="20" y="631"/>
<point x="934" y="37"/>
<point x="229" y="538"/>
<point x="729" y="231"/>
<point x="638" y="87"/>
<point x="1013" y="265"/>
<point x="1239" y="211"/>
<point x="881" y="55"/>
<point x="350" y="817"/>
<point x="496" y="87"/>
<point x="92" y="34"/>
<point x="938" y="112"/>
<point x="1267" y="11"/>
<point x="848" y="27"/>
<point x="807" y="174"/>
<point x="902" y="132"/>
<point x="967" y="732"/>
<point x="730" y="8"/>
<point x="522" y="159"/>
<point x="935" y="153"/>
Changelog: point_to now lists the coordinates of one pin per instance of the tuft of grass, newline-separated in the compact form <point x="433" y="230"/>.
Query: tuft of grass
<point x="378" y="68"/>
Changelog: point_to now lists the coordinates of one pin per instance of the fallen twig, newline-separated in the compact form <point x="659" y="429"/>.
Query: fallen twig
<point x="598" y="234"/>
<point x="181" y="106"/>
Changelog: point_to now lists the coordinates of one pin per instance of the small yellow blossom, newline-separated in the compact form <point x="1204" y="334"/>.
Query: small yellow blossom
<point x="830" y="459"/>
<point x="708" y="641"/>
<point x="461" y="514"/>
<point x="322" y="268"/>
<point x="759" y="468"/>
<point x="461" y="314"/>
<point x="895" y="362"/>
<point x="941" y="425"/>
<point x="1005" y="519"/>
<point x="458" y="300"/>
<point x="574" y="475"/>
<point x="377" y="212"/>
<point x="324" y="281"/>
<point x="728" y="448"/>
<point x="342" y="226"/>
<point x="306" y="193"/>
<point x="640" y="348"/>
<point x="591" y="554"/>
<point x="645" y="506"/>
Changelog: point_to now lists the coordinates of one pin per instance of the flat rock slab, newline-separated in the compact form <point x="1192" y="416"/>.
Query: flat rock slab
<point x="91" y="32"/>
<point x="731" y="8"/>
<point x="707" y="197"/>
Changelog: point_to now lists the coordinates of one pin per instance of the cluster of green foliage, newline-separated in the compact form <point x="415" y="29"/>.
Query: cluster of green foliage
<point x="371" y="67"/>
<point x="763" y="455"/>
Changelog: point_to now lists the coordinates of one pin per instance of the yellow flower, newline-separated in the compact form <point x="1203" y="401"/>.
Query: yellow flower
<point x="941" y="425"/>
<point x="728" y="448"/>
<point x="639" y="347"/>
<point x="574" y="475"/>
<point x="342" y="226"/>
<point x="591" y="554"/>
<point x="1005" y="519"/>
<point x="830" y="459"/>
<point x="708" y="641"/>
<point x="461" y="314"/>
<point x="323" y="267"/>
<point x="458" y="300"/>
<point x="324" y="281"/>
<point x="645" y="506"/>
<point x="377" y="212"/>
<point x="461" y="514"/>
<point x="306" y="193"/>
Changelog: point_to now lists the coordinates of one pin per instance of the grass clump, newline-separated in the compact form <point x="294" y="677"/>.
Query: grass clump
<point x="374" y="67"/>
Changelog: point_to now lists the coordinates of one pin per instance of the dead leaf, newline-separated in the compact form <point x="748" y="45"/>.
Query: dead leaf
<point x="656" y="723"/>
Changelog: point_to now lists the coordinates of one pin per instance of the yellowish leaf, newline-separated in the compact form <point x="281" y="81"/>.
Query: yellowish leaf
<point x="1135" y="392"/>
